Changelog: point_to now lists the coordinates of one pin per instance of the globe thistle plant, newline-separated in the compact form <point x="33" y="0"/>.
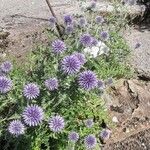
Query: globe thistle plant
<point x="58" y="46"/>
<point x="104" y="35"/>
<point x="56" y="123"/>
<point x="68" y="19"/>
<point x="86" y="40"/>
<point x="73" y="136"/>
<point x="6" y="66"/>
<point x="94" y="41"/>
<point x="93" y="4"/>
<point x="82" y="22"/>
<point x="89" y="123"/>
<point x="5" y="84"/>
<point x="87" y="80"/>
<point x="70" y="65"/>
<point x="69" y="29"/>
<point x="99" y="19"/>
<point x="33" y="115"/>
<point x="51" y="84"/>
<point x="16" y="128"/>
<point x="90" y="141"/>
<point x="81" y="57"/>
<point x="31" y="91"/>
<point x="105" y="134"/>
<point x="52" y="21"/>
<point x="100" y="84"/>
<point x="137" y="45"/>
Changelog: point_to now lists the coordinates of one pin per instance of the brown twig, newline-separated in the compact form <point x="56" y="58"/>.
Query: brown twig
<point x="54" y="15"/>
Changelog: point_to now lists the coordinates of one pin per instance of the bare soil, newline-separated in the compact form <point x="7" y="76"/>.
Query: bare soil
<point x="129" y="101"/>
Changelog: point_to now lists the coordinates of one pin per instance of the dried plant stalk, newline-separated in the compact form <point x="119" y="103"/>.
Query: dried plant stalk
<point x="54" y="15"/>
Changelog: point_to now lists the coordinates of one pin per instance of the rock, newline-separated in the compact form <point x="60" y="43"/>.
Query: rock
<point x="140" y="57"/>
<point x="115" y="119"/>
<point x="129" y="106"/>
<point x="108" y="7"/>
<point x="138" y="141"/>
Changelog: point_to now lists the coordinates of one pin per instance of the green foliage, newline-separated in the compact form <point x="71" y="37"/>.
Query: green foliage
<point x="73" y="103"/>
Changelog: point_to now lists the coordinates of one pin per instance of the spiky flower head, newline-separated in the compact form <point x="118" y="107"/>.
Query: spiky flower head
<point x="137" y="45"/>
<point x="6" y="66"/>
<point x="100" y="84"/>
<point x="104" y="35"/>
<point x="73" y="136"/>
<point x="68" y="19"/>
<point x="52" y="21"/>
<point x="93" y="4"/>
<point x="89" y="123"/>
<point x="31" y="91"/>
<point x="16" y="127"/>
<point x="69" y="29"/>
<point x="70" y="65"/>
<point x="90" y="141"/>
<point x="58" y="46"/>
<point x="99" y="19"/>
<point x="33" y="115"/>
<point x="56" y="123"/>
<point x="51" y="84"/>
<point x="86" y="40"/>
<point x="5" y="84"/>
<point x="105" y="134"/>
<point x="81" y="57"/>
<point x="82" y="22"/>
<point x="87" y="80"/>
<point x="94" y="41"/>
<point x="109" y="82"/>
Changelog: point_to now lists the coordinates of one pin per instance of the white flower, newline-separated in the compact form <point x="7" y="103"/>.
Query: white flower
<point x="97" y="50"/>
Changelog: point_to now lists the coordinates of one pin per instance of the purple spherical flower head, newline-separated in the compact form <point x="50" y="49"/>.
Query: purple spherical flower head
<point x="94" y="41"/>
<point x="33" y="115"/>
<point x="89" y="123"/>
<point x="51" y="84"/>
<point x="137" y="45"/>
<point x="16" y="127"/>
<point x="87" y="80"/>
<point x="58" y="46"/>
<point x="99" y="19"/>
<point x="5" y="84"/>
<point x="90" y="141"/>
<point x="105" y="134"/>
<point x="109" y="81"/>
<point x="68" y="19"/>
<point x="73" y="136"/>
<point x="93" y="4"/>
<point x="104" y="35"/>
<point x="31" y="91"/>
<point x="82" y="22"/>
<point x="56" y="123"/>
<point x="86" y="40"/>
<point x="69" y="29"/>
<point x="70" y="65"/>
<point x="100" y="84"/>
<point x="81" y="58"/>
<point x="6" y="66"/>
<point x="52" y="21"/>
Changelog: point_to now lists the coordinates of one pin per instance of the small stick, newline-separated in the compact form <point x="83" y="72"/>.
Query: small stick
<point x="57" y="25"/>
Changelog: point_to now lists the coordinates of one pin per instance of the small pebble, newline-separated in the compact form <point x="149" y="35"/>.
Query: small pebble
<point x="115" y="119"/>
